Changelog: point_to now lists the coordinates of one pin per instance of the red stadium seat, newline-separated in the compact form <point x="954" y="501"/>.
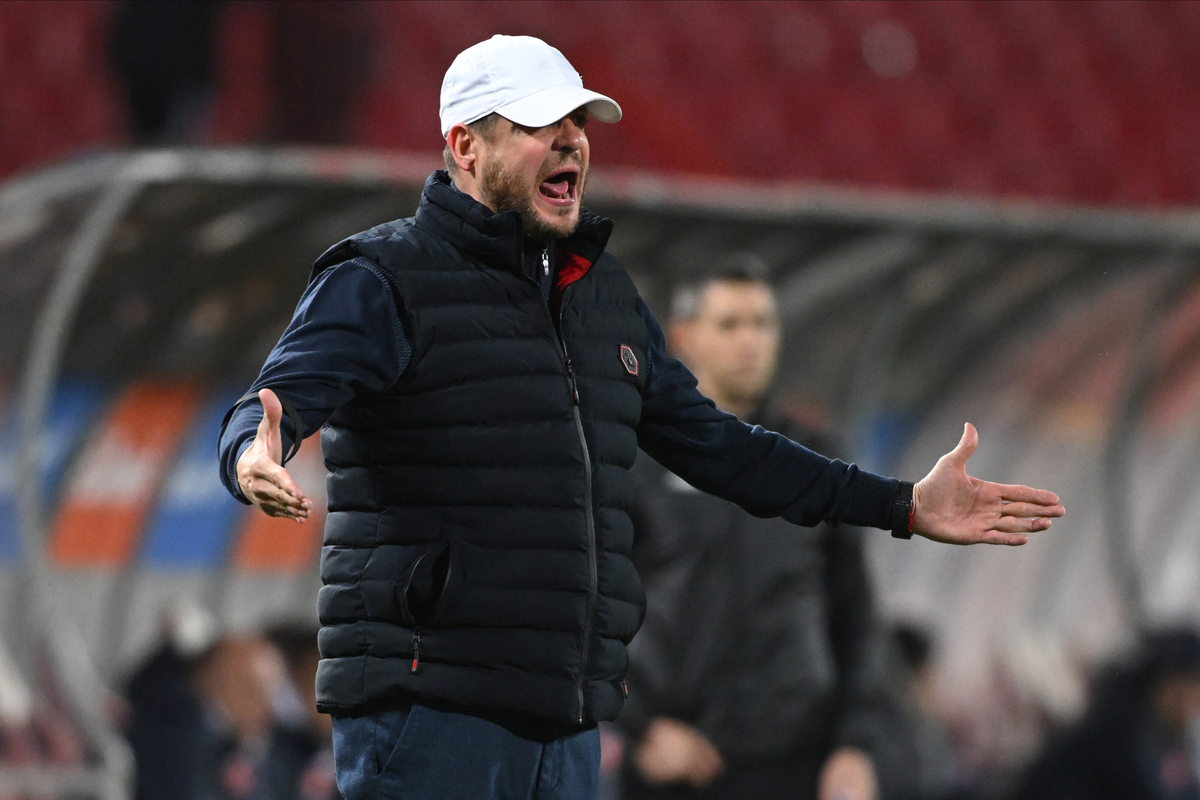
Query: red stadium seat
<point x="707" y="84"/>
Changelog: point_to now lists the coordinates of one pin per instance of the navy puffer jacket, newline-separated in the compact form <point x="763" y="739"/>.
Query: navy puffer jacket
<point x="476" y="549"/>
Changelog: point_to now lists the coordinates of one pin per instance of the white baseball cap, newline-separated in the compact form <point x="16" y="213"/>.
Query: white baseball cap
<point x="522" y="79"/>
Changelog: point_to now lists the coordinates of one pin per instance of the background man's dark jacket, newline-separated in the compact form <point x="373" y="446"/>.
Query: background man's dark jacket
<point x="759" y="634"/>
<point x="1119" y="750"/>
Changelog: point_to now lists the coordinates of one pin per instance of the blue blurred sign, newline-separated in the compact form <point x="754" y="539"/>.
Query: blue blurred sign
<point x="195" y="517"/>
<point x="74" y="408"/>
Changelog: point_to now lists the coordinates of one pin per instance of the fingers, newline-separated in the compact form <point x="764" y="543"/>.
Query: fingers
<point x="1000" y="537"/>
<point x="283" y="512"/>
<point x="1007" y="524"/>
<point x="1026" y="494"/>
<point x="1031" y="510"/>
<point x="274" y="504"/>
<point x="284" y="489"/>
<point x="271" y="488"/>
<point x="264" y="490"/>
<point x="280" y="477"/>
<point x="1023" y="501"/>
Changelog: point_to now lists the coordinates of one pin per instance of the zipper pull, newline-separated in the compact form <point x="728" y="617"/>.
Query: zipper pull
<point x="546" y="261"/>
<point x="416" y="646"/>
<point x="571" y="379"/>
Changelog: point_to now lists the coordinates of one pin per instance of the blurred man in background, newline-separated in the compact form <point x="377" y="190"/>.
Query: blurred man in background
<point x="1140" y="738"/>
<point x="201" y="725"/>
<point x="165" y="58"/>
<point x="232" y="720"/>
<point x="914" y="748"/>
<point x="758" y="671"/>
<point x="304" y="742"/>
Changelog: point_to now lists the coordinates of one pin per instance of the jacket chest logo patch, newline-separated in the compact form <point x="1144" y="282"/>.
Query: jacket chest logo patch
<point x="629" y="359"/>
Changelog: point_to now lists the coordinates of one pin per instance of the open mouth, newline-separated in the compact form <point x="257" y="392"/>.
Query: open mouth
<point x="560" y="188"/>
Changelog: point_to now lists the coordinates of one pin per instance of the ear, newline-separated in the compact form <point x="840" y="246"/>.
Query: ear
<point x="463" y="143"/>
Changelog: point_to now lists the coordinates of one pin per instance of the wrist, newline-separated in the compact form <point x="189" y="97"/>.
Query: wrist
<point x="903" y="512"/>
<point x="236" y="473"/>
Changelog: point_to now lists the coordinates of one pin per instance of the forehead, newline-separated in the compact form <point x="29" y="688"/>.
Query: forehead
<point x="729" y="297"/>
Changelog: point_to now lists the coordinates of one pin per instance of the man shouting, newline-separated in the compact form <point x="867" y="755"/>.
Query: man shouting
<point x="483" y="375"/>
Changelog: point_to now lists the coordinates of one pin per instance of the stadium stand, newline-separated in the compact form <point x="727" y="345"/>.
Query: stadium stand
<point x="1091" y="102"/>
<point x="1071" y="337"/>
<point x="1068" y="336"/>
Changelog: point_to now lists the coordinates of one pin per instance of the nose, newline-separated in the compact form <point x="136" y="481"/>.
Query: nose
<point x="570" y="136"/>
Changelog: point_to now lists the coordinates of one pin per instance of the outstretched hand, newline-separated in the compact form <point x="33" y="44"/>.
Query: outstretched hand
<point x="952" y="507"/>
<point x="260" y="472"/>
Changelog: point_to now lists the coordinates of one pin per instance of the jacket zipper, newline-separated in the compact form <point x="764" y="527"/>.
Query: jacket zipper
<point x="593" y="577"/>
<point x="416" y="637"/>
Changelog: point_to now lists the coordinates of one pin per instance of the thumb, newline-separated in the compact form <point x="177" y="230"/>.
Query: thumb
<point x="269" y="427"/>
<point x="272" y="408"/>
<point x="965" y="447"/>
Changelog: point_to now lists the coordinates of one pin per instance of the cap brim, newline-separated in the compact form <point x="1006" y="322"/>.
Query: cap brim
<point x="550" y="105"/>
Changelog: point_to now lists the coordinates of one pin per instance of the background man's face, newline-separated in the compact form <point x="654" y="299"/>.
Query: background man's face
<point x="1176" y="700"/>
<point x="732" y="342"/>
<point x="538" y="172"/>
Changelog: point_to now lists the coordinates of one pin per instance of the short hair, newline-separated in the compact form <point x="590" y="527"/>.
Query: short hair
<point x="732" y="268"/>
<point x="484" y="128"/>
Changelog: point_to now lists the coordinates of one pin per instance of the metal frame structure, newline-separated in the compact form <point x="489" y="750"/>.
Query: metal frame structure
<point x="904" y="236"/>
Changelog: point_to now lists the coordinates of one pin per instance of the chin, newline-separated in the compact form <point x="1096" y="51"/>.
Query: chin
<point x="562" y="225"/>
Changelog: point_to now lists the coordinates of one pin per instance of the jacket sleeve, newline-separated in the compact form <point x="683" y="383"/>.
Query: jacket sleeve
<point x="763" y="472"/>
<point x="346" y="337"/>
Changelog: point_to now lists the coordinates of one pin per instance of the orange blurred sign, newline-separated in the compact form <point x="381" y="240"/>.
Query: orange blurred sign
<point x="112" y="486"/>
<point x="270" y="544"/>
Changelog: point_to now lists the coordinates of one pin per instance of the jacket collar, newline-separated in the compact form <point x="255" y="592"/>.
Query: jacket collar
<point x="497" y="239"/>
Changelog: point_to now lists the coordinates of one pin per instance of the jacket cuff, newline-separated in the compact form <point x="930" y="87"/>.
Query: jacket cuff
<point x="871" y="499"/>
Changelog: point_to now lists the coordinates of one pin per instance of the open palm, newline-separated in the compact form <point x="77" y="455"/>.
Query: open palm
<point x="260" y="472"/>
<point x="952" y="507"/>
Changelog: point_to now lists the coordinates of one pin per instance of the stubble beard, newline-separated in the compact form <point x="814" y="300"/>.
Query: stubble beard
<point x="504" y="191"/>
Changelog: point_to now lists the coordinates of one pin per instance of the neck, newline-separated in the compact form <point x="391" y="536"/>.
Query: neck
<point x="465" y="182"/>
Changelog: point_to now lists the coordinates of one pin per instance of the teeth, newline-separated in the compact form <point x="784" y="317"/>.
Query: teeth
<point x="558" y="188"/>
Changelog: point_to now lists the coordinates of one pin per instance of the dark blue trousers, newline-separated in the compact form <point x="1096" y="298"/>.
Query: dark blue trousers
<point x="432" y="752"/>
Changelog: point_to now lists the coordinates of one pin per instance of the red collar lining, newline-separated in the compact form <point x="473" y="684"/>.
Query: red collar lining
<point x="571" y="268"/>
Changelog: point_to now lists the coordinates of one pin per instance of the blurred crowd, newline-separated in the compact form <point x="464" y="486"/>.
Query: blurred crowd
<point x="164" y="59"/>
<point x="763" y="670"/>
<point x="235" y="720"/>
